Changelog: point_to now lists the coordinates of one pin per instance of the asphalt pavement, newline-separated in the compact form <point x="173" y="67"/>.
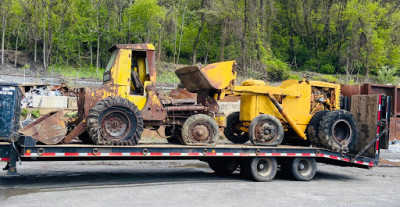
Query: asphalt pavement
<point x="190" y="182"/>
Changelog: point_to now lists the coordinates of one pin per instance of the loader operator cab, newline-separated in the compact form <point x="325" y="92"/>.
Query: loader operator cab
<point x="132" y="66"/>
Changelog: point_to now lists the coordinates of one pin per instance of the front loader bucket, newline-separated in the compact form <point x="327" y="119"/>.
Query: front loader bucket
<point x="48" y="129"/>
<point x="215" y="76"/>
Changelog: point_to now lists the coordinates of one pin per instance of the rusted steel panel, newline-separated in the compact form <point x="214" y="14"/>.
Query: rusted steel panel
<point x="396" y="102"/>
<point x="365" y="111"/>
<point x="394" y="128"/>
<point x="93" y="97"/>
<point x="389" y="90"/>
<point x="186" y="108"/>
<point x="48" y="129"/>
<point x="153" y="110"/>
<point x="369" y="88"/>
<point x="350" y="90"/>
<point x="78" y="129"/>
<point x="206" y="100"/>
<point x="151" y="65"/>
<point x="182" y="93"/>
<point x="132" y="47"/>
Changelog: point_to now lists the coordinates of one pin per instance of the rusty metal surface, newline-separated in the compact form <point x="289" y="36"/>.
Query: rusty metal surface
<point x="349" y="90"/>
<point x="89" y="101"/>
<point x="182" y="93"/>
<point x="394" y="128"/>
<point x="132" y="47"/>
<point x="365" y="111"/>
<point x="182" y="101"/>
<point x="200" y="132"/>
<point x="78" y="130"/>
<point x="207" y="101"/>
<point x="186" y="108"/>
<point x="389" y="90"/>
<point x="153" y="110"/>
<point x="151" y="64"/>
<point x="369" y="88"/>
<point x="48" y="129"/>
<point x="265" y="132"/>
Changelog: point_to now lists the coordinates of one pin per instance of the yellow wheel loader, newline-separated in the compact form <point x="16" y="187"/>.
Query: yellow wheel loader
<point x="270" y="113"/>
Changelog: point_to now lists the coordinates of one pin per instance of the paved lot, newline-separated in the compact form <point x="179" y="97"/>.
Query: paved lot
<point x="184" y="183"/>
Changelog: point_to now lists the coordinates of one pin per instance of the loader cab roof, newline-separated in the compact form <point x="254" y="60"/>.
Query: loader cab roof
<point x="137" y="47"/>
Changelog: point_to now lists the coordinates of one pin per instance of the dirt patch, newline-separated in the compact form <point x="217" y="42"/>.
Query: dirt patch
<point x="389" y="163"/>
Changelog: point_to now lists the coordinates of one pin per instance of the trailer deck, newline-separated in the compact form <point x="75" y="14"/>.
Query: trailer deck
<point x="72" y="152"/>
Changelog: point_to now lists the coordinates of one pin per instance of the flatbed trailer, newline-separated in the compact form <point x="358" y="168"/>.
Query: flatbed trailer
<point x="259" y="163"/>
<point x="240" y="154"/>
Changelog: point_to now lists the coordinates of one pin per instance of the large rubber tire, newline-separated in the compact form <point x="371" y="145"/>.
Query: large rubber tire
<point x="302" y="169"/>
<point x="115" y="121"/>
<point x="266" y="130"/>
<point x="262" y="169"/>
<point x="200" y="129"/>
<point x="313" y="128"/>
<point x="223" y="167"/>
<point x="338" y="131"/>
<point x="232" y="131"/>
<point x="174" y="134"/>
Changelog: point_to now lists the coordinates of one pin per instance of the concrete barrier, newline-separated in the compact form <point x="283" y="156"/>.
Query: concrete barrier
<point x="228" y="107"/>
<point x="72" y="103"/>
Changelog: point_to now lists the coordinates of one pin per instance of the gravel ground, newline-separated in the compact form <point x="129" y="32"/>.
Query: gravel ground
<point x="183" y="183"/>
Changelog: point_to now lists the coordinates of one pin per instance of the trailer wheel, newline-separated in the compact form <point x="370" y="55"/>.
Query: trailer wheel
<point x="266" y="130"/>
<point x="338" y="131"/>
<point x="313" y="128"/>
<point x="200" y="129"/>
<point x="223" y="167"/>
<point x="174" y="134"/>
<point x="303" y="169"/>
<point x="232" y="131"/>
<point x="260" y="169"/>
<point x="115" y="121"/>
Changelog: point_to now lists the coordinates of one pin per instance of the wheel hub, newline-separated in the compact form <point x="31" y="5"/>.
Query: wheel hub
<point x="200" y="132"/>
<point x="264" y="167"/>
<point x="115" y="125"/>
<point x="303" y="167"/>
<point x="341" y="131"/>
<point x="265" y="132"/>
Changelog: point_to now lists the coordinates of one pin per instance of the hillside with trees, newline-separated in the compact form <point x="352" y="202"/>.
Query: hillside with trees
<point x="268" y="38"/>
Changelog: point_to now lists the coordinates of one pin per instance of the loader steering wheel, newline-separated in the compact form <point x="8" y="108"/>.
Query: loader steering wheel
<point x="135" y="78"/>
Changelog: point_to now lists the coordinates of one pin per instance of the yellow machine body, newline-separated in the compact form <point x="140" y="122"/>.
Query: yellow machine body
<point x="125" y="60"/>
<point x="299" y="99"/>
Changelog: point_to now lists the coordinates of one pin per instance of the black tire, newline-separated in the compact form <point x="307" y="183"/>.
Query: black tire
<point x="302" y="169"/>
<point x="115" y="121"/>
<point x="174" y="134"/>
<point x="232" y="131"/>
<point x="223" y="167"/>
<point x="262" y="169"/>
<point x="313" y="128"/>
<point x="338" y="131"/>
<point x="200" y="129"/>
<point x="266" y="130"/>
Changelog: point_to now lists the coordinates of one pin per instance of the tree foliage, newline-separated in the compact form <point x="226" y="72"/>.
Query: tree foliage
<point x="268" y="37"/>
